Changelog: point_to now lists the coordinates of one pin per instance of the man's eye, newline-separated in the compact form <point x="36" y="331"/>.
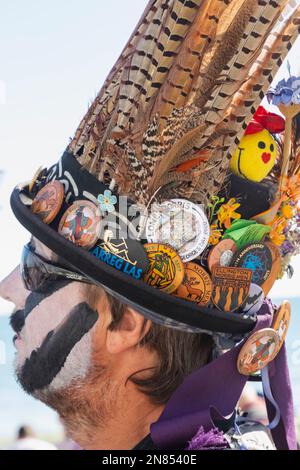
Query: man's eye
<point x="261" y="145"/>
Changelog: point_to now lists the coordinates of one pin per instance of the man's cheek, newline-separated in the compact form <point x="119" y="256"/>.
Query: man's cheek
<point x="54" y="355"/>
<point x="46" y="315"/>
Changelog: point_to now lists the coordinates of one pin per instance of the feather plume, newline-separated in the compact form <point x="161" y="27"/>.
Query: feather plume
<point x="177" y="102"/>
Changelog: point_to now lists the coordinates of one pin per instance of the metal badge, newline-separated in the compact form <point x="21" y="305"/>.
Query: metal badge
<point x="48" y="201"/>
<point x="258" y="351"/>
<point x="230" y="287"/>
<point x="166" y="270"/>
<point x="196" y="285"/>
<point x="222" y="254"/>
<point x="258" y="258"/>
<point x="181" y="224"/>
<point x="80" y="224"/>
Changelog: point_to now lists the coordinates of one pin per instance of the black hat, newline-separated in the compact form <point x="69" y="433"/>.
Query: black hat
<point x="172" y="109"/>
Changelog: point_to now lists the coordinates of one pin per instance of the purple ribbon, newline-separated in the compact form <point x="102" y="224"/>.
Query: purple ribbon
<point x="219" y="385"/>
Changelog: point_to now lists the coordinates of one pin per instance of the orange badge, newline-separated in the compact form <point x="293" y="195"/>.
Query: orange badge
<point x="222" y="254"/>
<point x="230" y="287"/>
<point x="48" y="201"/>
<point x="166" y="270"/>
<point x="281" y="322"/>
<point x="258" y="351"/>
<point x="80" y="224"/>
<point x="196" y="285"/>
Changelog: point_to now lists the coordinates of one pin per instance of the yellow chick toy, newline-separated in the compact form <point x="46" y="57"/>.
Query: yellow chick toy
<point x="257" y="152"/>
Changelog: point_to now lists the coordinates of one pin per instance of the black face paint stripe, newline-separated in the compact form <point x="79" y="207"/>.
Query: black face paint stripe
<point x="35" y="298"/>
<point x="17" y="321"/>
<point x="45" y="363"/>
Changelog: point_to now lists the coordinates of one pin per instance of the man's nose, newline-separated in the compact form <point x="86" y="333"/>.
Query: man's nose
<point x="13" y="289"/>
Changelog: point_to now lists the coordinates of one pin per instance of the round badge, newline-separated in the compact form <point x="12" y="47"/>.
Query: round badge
<point x="181" y="224"/>
<point x="254" y="300"/>
<point x="196" y="285"/>
<point x="258" y="258"/>
<point x="230" y="287"/>
<point x="48" y="201"/>
<point x="222" y="254"/>
<point x="166" y="271"/>
<point x="80" y="224"/>
<point x="281" y="322"/>
<point x="258" y="351"/>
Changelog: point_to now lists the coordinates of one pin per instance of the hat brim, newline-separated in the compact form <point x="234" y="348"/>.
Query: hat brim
<point x="152" y="303"/>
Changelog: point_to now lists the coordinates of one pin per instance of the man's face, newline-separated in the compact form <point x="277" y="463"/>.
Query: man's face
<point x="53" y="331"/>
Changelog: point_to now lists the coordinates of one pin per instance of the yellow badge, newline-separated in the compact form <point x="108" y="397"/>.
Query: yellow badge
<point x="166" y="270"/>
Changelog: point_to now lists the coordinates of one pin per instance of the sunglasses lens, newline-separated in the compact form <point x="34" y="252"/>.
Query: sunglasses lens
<point x="33" y="271"/>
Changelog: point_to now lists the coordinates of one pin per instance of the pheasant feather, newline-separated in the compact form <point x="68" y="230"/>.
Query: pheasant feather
<point x="185" y="86"/>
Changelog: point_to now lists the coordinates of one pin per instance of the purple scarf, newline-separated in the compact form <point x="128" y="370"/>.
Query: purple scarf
<point x="219" y="386"/>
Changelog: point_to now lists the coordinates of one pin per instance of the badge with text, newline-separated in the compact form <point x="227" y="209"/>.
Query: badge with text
<point x="166" y="271"/>
<point x="258" y="351"/>
<point x="80" y="224"/>
<point x="181" y="224"/>
<point x="281" y="322"/>
<point x="48" y="202"/>
<point x="125" y="255"/>
<point x="230" y="287"/>
<point x="258" y="258"/>
<point x="196" y="285"/>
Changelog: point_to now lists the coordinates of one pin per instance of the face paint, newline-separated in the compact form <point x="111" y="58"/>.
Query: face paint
<point x="44" y="314"/>
<point x="46" y="362"/>
<point x="17" y="320"/>
<point x="35" y="298"/>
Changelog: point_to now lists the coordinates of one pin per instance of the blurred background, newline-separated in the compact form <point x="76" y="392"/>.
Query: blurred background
<point x="54" y="57"/>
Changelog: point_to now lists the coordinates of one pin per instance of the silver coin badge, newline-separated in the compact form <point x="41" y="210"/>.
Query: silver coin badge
<point x="180" y="224"/>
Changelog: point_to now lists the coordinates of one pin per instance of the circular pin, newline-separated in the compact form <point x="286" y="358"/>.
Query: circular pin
<point x="166" y="271"/>
<point x="222" y="254"/>
<point x="258" y="258"/>
<point x="80" y="224"/>
<point x="254" y="300"/>
<point x="181" y="224"/>
<point x="230" y="287"/>
<point x="281" y="322"/>
<point x="196" y="285"/>
<point x="48" y="201"/>
<point x="258" y="351"/>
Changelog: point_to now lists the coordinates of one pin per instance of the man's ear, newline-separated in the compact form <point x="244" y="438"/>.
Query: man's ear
<point x="129" y="333"/>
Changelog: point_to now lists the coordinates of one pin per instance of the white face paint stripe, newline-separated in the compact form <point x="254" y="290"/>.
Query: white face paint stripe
<point x="46" y="316"/>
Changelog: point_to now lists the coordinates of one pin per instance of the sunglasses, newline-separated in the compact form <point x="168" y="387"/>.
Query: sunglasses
<point x="36" y="271"/>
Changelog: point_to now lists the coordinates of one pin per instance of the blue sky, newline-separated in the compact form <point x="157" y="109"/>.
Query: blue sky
<point x="54" y="57"/>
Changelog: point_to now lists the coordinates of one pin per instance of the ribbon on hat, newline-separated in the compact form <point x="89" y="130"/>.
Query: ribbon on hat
<point x="264" y="119"/>
<point x="219" y="385"/>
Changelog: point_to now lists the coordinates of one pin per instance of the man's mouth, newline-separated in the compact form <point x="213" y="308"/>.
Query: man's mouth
<point x="266" y="157"/>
